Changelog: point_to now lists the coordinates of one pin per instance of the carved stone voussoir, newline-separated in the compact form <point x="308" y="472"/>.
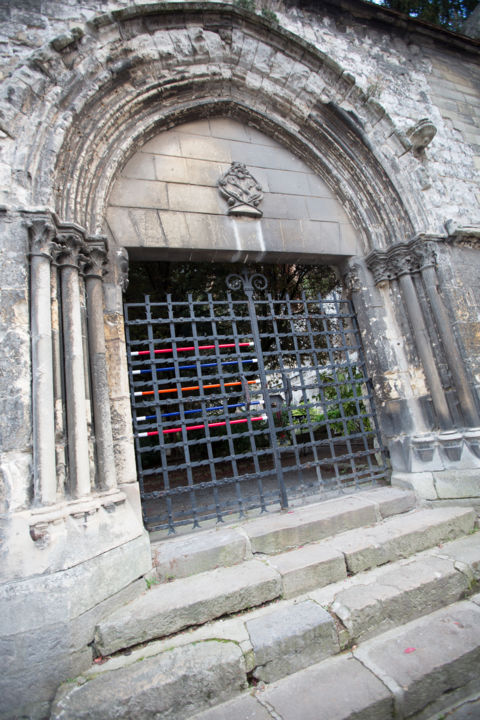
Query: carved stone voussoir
<point x="241" y="191"/>
<point x="401" y="259"/>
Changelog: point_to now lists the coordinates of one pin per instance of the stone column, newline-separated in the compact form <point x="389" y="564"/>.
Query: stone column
<point x="42" y="236"/>
<point x="93" y="273"/>
<point x="58" y="389"/>
<point x="115" y="284"/>
<point x="424" y="349"/>
<point x="454" y="360"/>
<point x="71" y="250"/>
<point x="398" y="407"/>
<point x="398" y="263"/>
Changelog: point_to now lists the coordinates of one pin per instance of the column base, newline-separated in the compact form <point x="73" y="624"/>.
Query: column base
<point x="47" y="623"/>
<point x="453" y="486"/>
<point x="57" y="537"/>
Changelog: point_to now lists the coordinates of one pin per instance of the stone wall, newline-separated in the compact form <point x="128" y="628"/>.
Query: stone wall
<point x="368" y="124"/>
<point x="167" y="200"/>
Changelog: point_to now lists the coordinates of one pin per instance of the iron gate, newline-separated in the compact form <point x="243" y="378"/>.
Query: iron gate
<point x="246" y="401"/>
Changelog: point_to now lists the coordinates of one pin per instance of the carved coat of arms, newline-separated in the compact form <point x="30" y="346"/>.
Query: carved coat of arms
<point x="241" y="191"/>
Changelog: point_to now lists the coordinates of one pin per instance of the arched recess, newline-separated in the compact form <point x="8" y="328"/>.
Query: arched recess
<point x="148" y="68"/>
<point x="143" y="69"/>
<point x="166" y="202"/>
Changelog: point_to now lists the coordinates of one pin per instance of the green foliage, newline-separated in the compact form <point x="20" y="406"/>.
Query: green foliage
<point x="269" y="15"/>
<point x="159" y="278"/>
<point x="246" y="5"/>
<point x="343" y="403"/>
<point x="151" y="582"/>
<point x="450" y="14"/>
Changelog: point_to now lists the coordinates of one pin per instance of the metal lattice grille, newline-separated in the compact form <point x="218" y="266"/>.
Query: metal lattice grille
<point x="247" y="401"/>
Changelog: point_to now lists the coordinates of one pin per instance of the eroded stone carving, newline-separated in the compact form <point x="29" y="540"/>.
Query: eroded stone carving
<point x="42" y="235"/>
<point x="71" y="246"/>
<point x="352" y="280"/>
<point x="401" y="259"/>
<point x="121" y="258"/>
<point x="241" y="191"/>
<point x="463" y="235"/>
<point x="96" y="257"/>
<point x="421" y="134"/>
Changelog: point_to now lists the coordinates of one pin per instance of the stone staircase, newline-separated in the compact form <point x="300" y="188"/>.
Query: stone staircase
<point x="362" y="606"/>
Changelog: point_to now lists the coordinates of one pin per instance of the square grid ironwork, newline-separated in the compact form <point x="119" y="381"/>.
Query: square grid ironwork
<point x="247" y="402"/>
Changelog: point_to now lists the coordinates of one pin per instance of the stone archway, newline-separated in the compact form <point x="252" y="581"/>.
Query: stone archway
<point x="166" y="205"/>
<point x="161" y="73"/>
<point x="78" y="111"/>
<point x="137" y="73"/>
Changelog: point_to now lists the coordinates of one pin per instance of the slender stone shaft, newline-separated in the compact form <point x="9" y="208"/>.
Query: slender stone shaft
<point x="58" y="394"/>
<point x="422" y="341"/>
<point x="98" y="367"/>
<point x="44" y="469"/>
<point x="454" y="360"/>
<point x="79" y="468"/>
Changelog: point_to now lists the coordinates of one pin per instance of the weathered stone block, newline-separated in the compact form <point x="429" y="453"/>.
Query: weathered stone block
<point x="141" y="166"/>
<point x="341" y="686"/>
<point x="309" y="524"/>
<point x="243" y="708"/>
<point x="171" y="685"/>
<point x="391" y="501"/>
<point x="290" y="639"/>
<point x="466" y="554"/>
<point x="397" y="595"/>
<point x="194" y="198"/>
<point x="307" y="568"/>
<point x="205" y="148"/>
<point x="403" y="536"/>
<point x="420" y="482"/>
<point x="165" y="609"/>
<point x="279" y="205"/>
<point x="183" y="556"/>
<point x="457" y="484"/>
<point x="443" y="653"/>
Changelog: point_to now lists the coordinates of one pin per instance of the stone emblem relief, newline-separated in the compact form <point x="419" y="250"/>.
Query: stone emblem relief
<point x="241" y="191"/>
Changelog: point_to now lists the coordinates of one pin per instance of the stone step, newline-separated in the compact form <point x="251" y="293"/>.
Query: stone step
<point x="351" y="552"/>
<point x="182" y="556"/>
<point x="166" y="609"/>
<point x="169" y="608"/>
<point x="415" y="671"/>
<point x="289" y="634"/>
<point x="410" y="671"/>
<point x="380" y="599"/>
<point x="171" y="685"/>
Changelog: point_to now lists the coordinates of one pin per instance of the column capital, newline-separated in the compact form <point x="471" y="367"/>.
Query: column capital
<point x="42" y="232"/>
<point x="96" y="257"/>
<point x="401" y="259"/>
<point x="71" y="245"/>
